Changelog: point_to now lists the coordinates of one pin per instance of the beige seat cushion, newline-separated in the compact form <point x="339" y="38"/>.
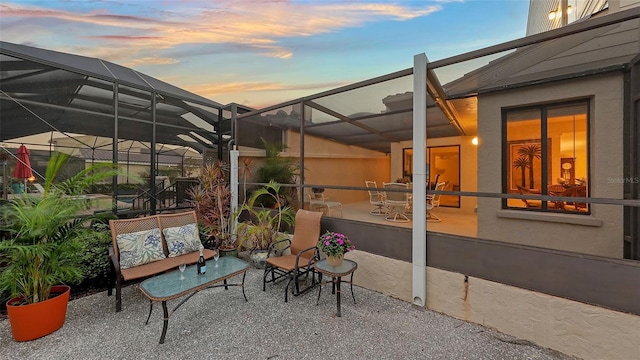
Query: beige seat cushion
<point x="288" y="262"/>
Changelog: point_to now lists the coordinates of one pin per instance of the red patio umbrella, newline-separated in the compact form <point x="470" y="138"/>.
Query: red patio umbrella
<point x="23" y="165"/>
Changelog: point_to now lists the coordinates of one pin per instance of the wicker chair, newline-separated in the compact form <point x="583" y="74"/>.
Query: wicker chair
<point x="527" y="202"/>
<point x="576" y="191"/>
<point x="556" y="190"/>
<point x="304" y="253"/>
<point x="128" y="226"/>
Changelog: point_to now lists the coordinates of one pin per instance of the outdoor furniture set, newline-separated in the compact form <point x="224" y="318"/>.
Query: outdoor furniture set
<point x="560" y="190"/>
<point x="146" y="246"/>
<point x="395" y="202"/>
<point x="317" y="201"/>
<point x="153" y="247"/>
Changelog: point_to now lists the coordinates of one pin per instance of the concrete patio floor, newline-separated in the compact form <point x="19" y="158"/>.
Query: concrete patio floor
<point x="219" y="324"/>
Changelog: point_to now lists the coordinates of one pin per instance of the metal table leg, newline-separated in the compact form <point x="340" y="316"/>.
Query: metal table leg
<point x="339" y="280"/>
<point x="353" y="296"/>
<point x="165" y="322"/>
<point x="150" y="309"/>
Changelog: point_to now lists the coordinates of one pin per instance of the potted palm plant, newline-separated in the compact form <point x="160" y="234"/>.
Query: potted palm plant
<point x="264" y="224"/>
<point x="281" y="170"/>
<point x="41" y="249"/>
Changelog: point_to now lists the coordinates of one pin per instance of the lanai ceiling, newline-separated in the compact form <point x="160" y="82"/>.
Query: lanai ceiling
<point x="371" y="115"/>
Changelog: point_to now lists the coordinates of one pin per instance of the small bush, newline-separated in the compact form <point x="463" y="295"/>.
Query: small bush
<point x="94" y="257"/>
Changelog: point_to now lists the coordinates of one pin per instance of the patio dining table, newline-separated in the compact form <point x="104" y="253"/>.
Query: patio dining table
<point x="568" y="191"/>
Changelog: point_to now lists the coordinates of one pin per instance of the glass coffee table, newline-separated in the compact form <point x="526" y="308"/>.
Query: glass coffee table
<point x="168" y="286"/>
<point x="348" y="267"/>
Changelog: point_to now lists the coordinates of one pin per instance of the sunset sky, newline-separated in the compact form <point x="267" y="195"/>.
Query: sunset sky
<point x="262" y="52"/>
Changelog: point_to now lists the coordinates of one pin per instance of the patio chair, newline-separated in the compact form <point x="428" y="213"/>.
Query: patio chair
<point x="39" y="188"/>
<point x="433" y="201"/>
<point x="376" y="198"/>
<point x="396" y="202"/>
<point x="299" y="263"/>
<point x="319" y="201"/>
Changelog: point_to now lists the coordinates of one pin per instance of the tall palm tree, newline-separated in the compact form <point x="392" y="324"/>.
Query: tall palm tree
<point x="531" y="151"/>
<point x="521" y="163"/>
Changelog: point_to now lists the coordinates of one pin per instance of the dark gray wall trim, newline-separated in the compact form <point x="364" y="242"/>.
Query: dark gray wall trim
<point x="610" y="283"/>
<point x="385" y="240"/>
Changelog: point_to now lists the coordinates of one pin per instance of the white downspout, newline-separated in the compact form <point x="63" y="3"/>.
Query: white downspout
<point x="419" y="235"/>
<point x="233" y="160"/>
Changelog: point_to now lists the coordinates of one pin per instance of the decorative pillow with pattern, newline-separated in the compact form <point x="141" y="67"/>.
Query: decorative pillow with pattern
<point x="182" y="239"/>
<point x="139" y="248"/>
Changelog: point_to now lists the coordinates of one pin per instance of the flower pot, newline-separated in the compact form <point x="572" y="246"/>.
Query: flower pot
<point x="32" y="321"/>
<point x="17" y="188"/>
<point x="228" y="252"/>
<point x="335" y="260"/>
<point x="259" y="258"/>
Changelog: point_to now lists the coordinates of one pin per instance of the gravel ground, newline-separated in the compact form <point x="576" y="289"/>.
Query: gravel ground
<point x="219" y="324"/>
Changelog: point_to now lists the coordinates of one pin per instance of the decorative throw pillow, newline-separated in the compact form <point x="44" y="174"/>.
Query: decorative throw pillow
<point x="182" y="239"/>
<point x="139" y="248"/>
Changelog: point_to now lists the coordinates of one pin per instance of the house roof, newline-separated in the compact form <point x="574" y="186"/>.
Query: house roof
<point x="376" y="112"/>
<point x="595" y="51"/>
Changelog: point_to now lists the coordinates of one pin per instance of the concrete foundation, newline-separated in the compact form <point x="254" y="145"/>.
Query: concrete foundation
<point x="571" y="327"/>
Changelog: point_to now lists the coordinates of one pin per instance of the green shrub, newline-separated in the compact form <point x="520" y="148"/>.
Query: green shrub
<point x="94" y="257"/>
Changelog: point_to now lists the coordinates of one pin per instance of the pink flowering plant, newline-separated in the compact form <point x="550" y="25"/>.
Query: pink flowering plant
<point x="334" y="244"/>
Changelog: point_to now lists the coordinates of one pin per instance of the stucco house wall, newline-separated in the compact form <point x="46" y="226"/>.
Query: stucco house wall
<point x="331" y="163"/>
<point x="599" y="233"/>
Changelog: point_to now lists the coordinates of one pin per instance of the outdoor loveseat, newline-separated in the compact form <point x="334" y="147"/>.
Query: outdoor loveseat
<point x="146" y="246"/>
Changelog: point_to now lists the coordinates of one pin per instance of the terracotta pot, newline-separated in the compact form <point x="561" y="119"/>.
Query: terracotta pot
<point x="29" y="322"/>
<point x="335" y="260"/>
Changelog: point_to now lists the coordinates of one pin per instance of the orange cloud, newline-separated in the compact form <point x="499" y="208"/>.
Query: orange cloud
<point x="212" y="90"/>
<point x="150" y="60"/>
<point x="255" y="24"/>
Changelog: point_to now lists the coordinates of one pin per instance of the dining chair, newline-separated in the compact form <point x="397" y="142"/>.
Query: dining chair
<point x="556" y="190"/>
<point x="433" y="201"/>
<point x="528" y="202"/>
<point x="376" y="198"/>
<point x="397" y="202"/>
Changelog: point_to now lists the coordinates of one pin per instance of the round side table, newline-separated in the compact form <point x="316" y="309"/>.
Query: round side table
<point x="348" y="267"/>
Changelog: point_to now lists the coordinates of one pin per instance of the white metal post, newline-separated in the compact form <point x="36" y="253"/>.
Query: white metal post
<point x="419" y="235"/>
<point x="233" y="160"/>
